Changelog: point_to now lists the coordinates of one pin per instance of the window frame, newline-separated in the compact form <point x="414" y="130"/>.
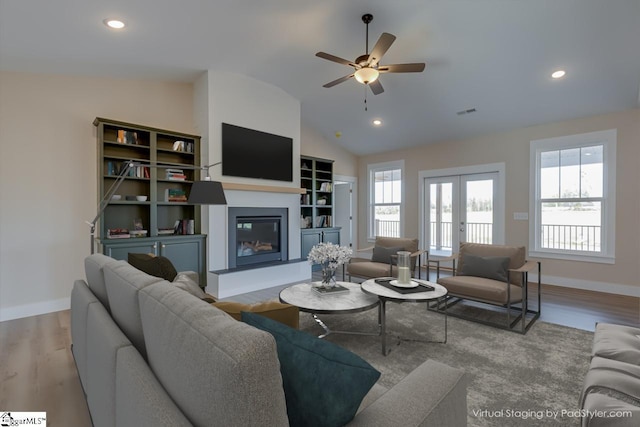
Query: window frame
<point x="607" y="139"/>
<point x="371" y="170"/>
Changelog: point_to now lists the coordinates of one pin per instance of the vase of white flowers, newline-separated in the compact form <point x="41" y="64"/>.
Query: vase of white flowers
<point x="330" y="257"/>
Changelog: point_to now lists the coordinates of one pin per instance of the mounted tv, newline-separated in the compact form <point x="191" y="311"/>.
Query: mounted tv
<point x="249" y="153"/>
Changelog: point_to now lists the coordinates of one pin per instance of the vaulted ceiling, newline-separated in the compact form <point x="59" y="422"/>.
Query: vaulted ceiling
<point x="494" y="56"/>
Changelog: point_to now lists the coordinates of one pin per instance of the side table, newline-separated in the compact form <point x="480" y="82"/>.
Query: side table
<point x="385" y="294"/>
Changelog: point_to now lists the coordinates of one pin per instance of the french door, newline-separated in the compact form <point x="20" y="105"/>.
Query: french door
<point x="460" y="208"/>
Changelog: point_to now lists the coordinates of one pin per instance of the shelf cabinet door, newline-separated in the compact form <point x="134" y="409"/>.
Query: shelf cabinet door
<point x="121" y="251"/>
<point x="331" y="236"/>
<point x="309" y="238"/>
<point x="186" y="253"/>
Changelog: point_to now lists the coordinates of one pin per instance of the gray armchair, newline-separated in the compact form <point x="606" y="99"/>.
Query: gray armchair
<point x="496" y="275"/>
<point x="383" y="260"/>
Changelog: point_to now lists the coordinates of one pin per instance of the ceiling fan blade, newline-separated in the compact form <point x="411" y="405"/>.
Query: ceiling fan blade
<point x="336" y="59"/>
<point x="376" y="87"/>
<point x="338" y="81"/>
<point x="402" y="68"/>
<point x="382" y="45"/>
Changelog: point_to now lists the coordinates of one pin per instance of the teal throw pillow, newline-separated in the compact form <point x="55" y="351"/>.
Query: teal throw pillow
<point x="324" y="384"/>
<point x="490" y="267"/>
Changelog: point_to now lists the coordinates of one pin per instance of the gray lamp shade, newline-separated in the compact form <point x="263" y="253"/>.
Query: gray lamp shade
<point x="207" y="193"/>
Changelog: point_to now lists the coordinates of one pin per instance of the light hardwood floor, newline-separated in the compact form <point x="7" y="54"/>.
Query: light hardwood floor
<point x="37" y="370"/>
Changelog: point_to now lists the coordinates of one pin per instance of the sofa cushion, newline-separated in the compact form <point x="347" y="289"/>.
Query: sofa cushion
<point x="284" y="313"/>
<point x="383" y="255"/>
<point x="93" y="268"/>
<point x="124" y="282"/>
<point x="480" y="289"/>
<point x="490" y="267"/>
<point x="216" y="369"/>
<point x="617" y="342"/>
<point x="104" y="339"/>
<point x="433" y="394"/>
<point x="324" y="384"/>
<point x="367" y="269"/>
<point x="516" y="254"/>
<point x="158" y="266"/>
<point x="140" y="399"/>
<point x="186" y="283"/>
<point x="81" y="299"/>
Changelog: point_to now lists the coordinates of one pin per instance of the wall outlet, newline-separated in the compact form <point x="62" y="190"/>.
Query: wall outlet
<point x="521" y="216"/>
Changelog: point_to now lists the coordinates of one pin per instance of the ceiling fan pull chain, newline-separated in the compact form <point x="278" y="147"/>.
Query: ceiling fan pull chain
<point x="365" y="98"/>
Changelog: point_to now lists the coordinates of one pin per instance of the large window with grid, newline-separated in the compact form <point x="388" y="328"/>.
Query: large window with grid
<point x="385" y="199"/>
<point x="574" y="197"/>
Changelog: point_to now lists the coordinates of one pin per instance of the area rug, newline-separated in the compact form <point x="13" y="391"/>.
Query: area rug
<point x="529" y="380"/>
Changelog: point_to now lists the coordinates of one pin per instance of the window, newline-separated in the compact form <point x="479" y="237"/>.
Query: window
<point x="385" y="199"/>
<point x="573" y="202"/>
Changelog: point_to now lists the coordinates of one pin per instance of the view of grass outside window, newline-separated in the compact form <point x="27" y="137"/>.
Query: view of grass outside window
<point x="572" y="199"/>
<point x="387" y="197"/>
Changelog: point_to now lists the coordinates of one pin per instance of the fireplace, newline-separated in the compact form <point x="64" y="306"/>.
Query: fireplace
<point x="257" y="236"/>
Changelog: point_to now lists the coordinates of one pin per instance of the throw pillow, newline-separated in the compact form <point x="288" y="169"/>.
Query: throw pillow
<point x="187" y="284"/>
<point x="383" y="255"/>
<point x="284" y="313"/>
<point x="491" y="267"/>
<point x="157" y="266"/>
<point x="323" y="383"/>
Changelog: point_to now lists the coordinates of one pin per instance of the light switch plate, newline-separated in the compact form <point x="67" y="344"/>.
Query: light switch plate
<point x="521" y="216"/>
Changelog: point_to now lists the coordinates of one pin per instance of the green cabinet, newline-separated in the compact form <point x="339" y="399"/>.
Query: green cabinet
<point x="187" y="253"/>
<point x="151" y="203"/>
<point x="312" y="236"/>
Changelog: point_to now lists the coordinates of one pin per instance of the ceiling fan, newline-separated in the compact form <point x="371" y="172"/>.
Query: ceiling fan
<point x="367" y="67"/>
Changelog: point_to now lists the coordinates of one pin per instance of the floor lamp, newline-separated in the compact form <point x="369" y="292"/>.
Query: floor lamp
<point x="205" y="192"/>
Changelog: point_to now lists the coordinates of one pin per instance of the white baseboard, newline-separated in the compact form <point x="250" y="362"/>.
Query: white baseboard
<point x="35" y="309"/>
<point x="588" y="285"/>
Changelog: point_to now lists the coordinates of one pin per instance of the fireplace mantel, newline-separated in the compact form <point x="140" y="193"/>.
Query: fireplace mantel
<point x="263" y="188"/>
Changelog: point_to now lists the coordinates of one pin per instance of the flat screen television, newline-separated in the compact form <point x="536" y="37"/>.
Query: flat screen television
<point x="250" y="153"/>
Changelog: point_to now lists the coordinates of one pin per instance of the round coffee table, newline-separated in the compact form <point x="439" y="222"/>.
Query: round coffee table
<point x="353" y="301"/>
<point x="385" y="294"/>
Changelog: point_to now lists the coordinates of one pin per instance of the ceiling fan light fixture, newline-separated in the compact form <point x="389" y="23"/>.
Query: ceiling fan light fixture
<point x="366" y="75"/>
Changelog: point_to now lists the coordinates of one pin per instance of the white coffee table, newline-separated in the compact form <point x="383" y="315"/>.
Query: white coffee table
<point x="353" y="301"/>
<point x="385" y="294"/>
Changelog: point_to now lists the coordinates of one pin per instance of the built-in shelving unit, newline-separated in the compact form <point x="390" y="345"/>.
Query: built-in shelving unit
<point x="316" y="203"/>
<point x="170" y="227"/>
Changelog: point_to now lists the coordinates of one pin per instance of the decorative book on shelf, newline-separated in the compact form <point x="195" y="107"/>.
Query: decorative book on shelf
<point x="337" y="289"/>
<point x="118" y="233"/>
<point x="175" y="175"/>
<point x="184" y="226"/>
<point x="175" y="195"/>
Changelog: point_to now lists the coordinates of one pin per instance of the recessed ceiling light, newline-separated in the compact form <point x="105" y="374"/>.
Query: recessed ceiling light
<point x="377" y="122"/>
<point x="116" y="24"/>
<point x="558" y="74"/>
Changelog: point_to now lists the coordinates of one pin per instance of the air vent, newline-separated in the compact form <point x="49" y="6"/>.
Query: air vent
<point x="463" y="112"/>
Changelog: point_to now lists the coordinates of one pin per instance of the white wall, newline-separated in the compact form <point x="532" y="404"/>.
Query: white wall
<point x="48" y="186"/>
<point x="246" y="102"/>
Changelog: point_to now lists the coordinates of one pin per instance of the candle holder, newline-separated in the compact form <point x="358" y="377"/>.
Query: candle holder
<point x="404" y="267"/>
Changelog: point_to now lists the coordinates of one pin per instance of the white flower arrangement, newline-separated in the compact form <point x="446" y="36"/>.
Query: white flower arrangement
<point x="329" y="255"/>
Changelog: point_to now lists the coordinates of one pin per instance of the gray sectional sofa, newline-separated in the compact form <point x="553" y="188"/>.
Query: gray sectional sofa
<point x="151" y="354"/>
<point x="611" y="392"/>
